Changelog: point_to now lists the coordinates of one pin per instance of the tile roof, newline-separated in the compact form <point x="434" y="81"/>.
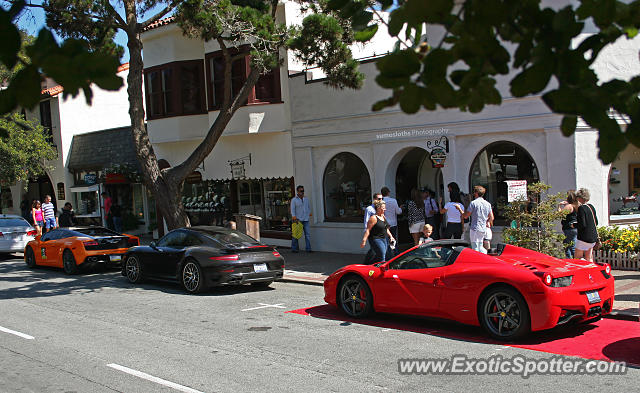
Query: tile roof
<point x="55" y="90"/>
<point x="160" y="22"/>
<point x="102" y="149"/>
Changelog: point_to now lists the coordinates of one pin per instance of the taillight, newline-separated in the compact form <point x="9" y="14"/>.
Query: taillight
<point x="227" y="271"/>
<point x="32" y="233"/>
<point x="133" y="242"/>
<point x="276" y="254"/>
<point x="1" y="235"/>
<point x="226" y="258"/>
<point x="547" y="278"/>
<point x="90" y="243"/>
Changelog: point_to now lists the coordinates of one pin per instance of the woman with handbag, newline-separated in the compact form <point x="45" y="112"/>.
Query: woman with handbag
<point x="570" y="223"/>
<point x="587" y="225"/>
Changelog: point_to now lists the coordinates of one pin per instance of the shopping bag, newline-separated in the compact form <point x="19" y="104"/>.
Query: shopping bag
<point x="296" y="230"/>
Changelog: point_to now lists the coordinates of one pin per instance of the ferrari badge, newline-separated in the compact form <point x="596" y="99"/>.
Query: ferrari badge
<point x="371" y="273"/>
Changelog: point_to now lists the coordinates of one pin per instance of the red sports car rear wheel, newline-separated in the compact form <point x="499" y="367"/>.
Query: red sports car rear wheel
<point x="504" y="314"/>
<point x="354" y="297"/>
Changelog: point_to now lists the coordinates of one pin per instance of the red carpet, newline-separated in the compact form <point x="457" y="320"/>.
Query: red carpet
<point x="607" y="339"/>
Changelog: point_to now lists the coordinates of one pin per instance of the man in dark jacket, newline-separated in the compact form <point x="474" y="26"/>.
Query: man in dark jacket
<point x="67" y="217"/>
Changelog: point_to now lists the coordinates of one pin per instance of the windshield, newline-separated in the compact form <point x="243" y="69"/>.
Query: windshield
<point x="97" y="231"/>
<point x="13" y="222"/>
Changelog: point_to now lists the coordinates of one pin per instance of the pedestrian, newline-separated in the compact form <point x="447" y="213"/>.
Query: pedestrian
<point x="391" y="214"/>
<point x="570" y="222"/>
<point x="587" y="225"/>
<point x="377" y="233"/>
<point x="368" y="212"/>
<point x="106" y="208"/>
<point x="453" y="209"/>
<point x="49" y="213"/>
<point x="431" y="211"/>
<point x="301" y="212"/>
<point x="37" y="216"/>
<point x="481" y="215"/>
<point x="427" y="230"/>
<point x="25" y="209"/>
<point x="68" y="216"/>
<point x="116" y="217"/>
<point x="415" y="215"/>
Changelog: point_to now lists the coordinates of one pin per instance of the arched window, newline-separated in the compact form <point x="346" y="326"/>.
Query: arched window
<point x="498" y="162"/>
<point x="347" y="188"/>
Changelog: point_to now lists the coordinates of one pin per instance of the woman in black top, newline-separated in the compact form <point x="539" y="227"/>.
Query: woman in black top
<point x="378" y="232"/>
<point x="587" y="225"/>
<point x="570" y="223"/>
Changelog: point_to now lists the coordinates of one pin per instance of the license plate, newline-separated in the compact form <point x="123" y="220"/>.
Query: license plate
<point x="260" y="267"/>
<point x="115" y="258"/>
<point x="593" y="297"/>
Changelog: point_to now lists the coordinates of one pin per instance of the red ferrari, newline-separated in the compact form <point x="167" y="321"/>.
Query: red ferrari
<point x="509" y="292"/>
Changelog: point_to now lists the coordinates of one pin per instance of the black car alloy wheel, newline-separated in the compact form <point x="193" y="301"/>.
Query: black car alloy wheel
<point x="69" y="262"/>
<point x="192" y="277"/>
<point x="355" y="297"/>
<point x="505" y="315"/>
<point x="133" y="269"/>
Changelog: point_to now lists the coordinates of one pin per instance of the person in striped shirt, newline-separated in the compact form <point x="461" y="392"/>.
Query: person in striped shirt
<point x="49" y="213"/>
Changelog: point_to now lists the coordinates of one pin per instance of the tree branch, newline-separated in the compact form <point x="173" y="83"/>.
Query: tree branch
<point x="228" y="63"/>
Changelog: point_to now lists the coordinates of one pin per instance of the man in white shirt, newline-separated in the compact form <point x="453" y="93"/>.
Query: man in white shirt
<point x="301" y="211"/>
<point x="391" y="214"/>
<point x="482" y="217"/>
<point x="370" y="211"/>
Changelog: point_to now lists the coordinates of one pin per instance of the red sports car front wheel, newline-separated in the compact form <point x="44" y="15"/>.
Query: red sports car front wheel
<point x="354" y="297"/>
<point x="504" y="314"/>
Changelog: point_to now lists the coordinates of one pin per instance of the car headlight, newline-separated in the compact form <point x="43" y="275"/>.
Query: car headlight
<point x="562" y="281"/>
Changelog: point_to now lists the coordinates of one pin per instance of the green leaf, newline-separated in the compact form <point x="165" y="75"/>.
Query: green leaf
<point x="631" y="32"/>
<point x="366" y="34"/>
<point x="568" y="125"/>
<point x="396" y="21"/>
<point x="399" y="64"/>
<point x="361" y="20"/>
<point x="411" y="99"/>
<point x="336" y="4"/>
<point x="10" y="38"/>
<point x="532" y="80"/>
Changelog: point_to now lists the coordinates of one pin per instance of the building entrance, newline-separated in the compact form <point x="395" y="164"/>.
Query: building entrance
<point x="415" y="170"/>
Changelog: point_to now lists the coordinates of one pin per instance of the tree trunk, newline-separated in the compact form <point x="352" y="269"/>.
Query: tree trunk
<point x="166" y="189"/>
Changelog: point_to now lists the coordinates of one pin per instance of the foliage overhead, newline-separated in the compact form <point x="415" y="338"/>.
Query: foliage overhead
<point x="485" y="39"/>
<point x="72" y="64"/>
<point x="535" y="221"/>
<point x="26" y="149"/>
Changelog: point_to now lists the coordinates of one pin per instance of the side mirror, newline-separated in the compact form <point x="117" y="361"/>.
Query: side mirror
<point x="153" y="245"/>
<point x="383" y="268"/>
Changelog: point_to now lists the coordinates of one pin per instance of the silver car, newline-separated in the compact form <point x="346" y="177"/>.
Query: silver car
<point x="15" y="233"/>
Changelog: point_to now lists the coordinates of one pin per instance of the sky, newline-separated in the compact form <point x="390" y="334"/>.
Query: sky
<point x="33" y="19"/>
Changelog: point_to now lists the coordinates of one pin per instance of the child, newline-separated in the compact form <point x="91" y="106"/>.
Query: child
<point x="38" y="217"/>
<point x="427" y="230"/>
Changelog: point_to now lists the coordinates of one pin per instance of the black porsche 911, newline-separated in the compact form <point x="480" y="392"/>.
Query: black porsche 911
<point x="204" y="256"/>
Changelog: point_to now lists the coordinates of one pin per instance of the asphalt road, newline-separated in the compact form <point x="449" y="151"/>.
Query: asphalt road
<point x="98" y="333"/>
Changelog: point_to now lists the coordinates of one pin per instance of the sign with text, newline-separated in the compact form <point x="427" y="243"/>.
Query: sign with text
<point x="516" y="190"/>
<point x="237" y="170"/>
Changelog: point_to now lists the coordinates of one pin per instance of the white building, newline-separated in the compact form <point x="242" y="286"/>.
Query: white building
<point x="304" y="133"/>
<point x="88" y="139"/>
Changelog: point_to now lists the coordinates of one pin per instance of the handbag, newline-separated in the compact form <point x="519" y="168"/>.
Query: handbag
<point x="598" y="244"/>
<point x="297" y="230"/>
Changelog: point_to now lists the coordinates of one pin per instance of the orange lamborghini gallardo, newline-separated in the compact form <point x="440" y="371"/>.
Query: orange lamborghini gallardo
<point x="73" y="248"/>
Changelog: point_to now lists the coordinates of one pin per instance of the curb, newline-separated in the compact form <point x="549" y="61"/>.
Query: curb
<point x="621" y="316"/>
<point x="301" y="281"/>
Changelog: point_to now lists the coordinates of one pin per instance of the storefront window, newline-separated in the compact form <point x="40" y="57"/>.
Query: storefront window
<point x="277" y="202"/>
<point x="496" y="163"/>
<point x="87" y="203"/>
<point x="6" y="198"/>
<point x="207" y="202"/>
<point x="347" y="188"/>
<point x="138" y="203"/>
